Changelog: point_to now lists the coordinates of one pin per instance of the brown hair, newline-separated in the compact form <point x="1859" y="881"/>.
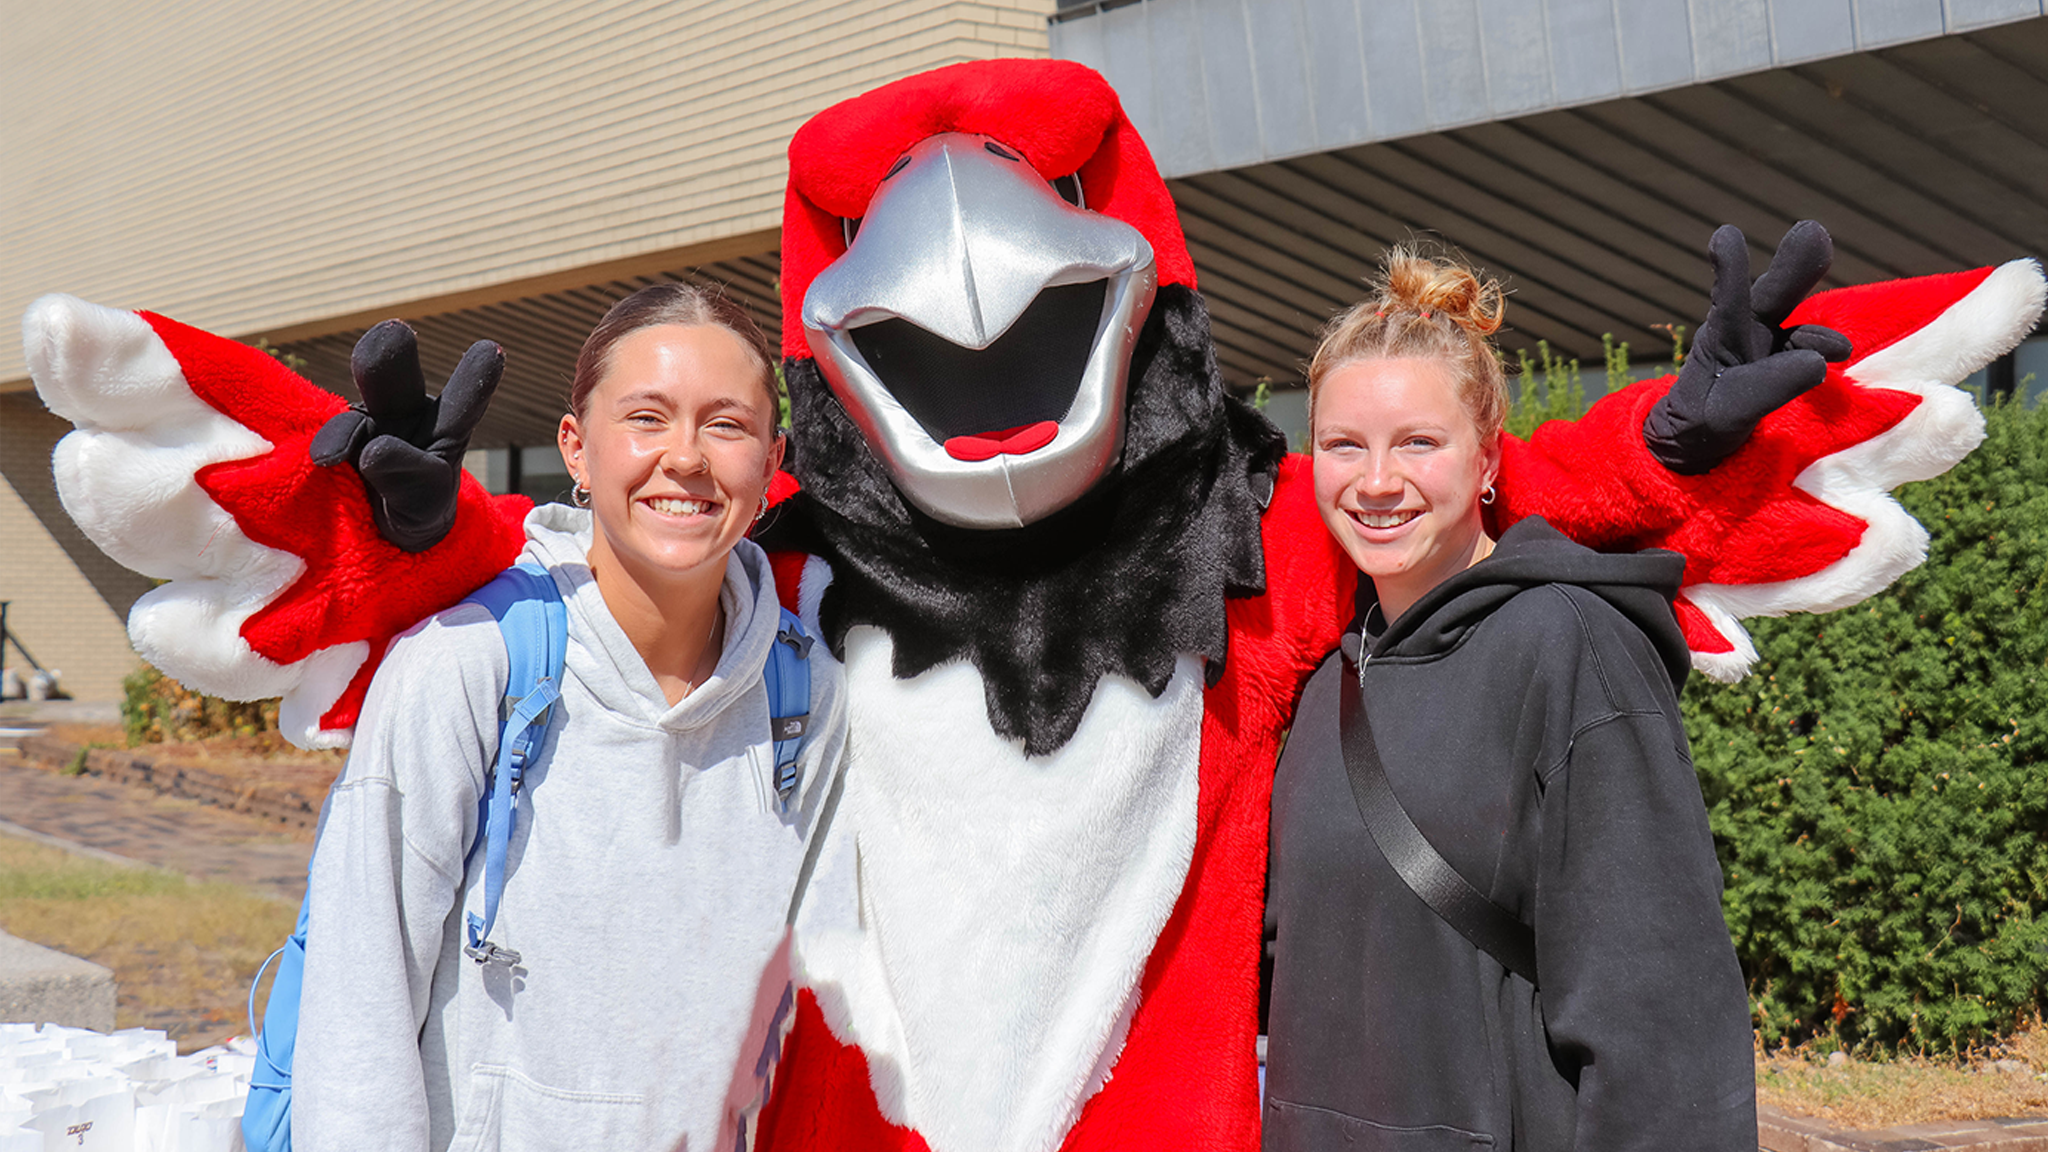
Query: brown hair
<point x="690" y="305"/>
<point x="1431" y="308"/>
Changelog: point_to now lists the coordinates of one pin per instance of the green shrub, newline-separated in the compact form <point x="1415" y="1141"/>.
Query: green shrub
<point x="1878" y="788"/>
<point x="1551" y="387"/>
<point x="157" y="709"/>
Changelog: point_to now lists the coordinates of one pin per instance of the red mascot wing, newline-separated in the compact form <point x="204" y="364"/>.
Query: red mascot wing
<point x="1801" y="518"/>
<point x="189" y="464"/>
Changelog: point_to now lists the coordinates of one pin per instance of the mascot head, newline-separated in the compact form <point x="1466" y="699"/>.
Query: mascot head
<point x="1014" y="445"/>
<point x="970" y="256"/>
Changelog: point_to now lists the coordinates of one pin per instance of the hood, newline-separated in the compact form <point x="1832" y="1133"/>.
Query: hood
<point x="1640" y="585"/>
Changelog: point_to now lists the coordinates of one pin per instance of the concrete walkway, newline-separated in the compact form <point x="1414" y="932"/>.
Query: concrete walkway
<point x="135" y="825"/>
<point x="1781" y="1133"/>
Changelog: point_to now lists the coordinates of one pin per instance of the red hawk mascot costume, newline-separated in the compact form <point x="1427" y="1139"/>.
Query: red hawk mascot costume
<point x="1076" y="588"/>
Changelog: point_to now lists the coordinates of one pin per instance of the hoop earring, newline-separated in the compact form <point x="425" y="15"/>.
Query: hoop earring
<point x="764" y="508"/>
<point x="579" y="495"/>
<point x="1487" y="496"/>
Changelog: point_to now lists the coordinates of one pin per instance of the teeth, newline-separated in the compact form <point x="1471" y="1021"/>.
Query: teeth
<point x="1386" y="519"/>
<point x="670" y="506"/>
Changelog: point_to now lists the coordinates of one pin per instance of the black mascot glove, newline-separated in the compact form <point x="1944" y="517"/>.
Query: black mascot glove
<point x="407" y="446"/>
<point x="1744" y="363"/>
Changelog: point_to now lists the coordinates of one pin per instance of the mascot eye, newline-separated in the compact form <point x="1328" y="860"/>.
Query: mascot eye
<point x="1069" y="188"/>
<point x="849" y="226"/>
<point x="996" y="149"/>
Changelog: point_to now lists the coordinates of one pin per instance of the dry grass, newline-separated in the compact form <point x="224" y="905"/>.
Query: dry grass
<point x="182" y="952"/>
<point x="1862" y="1095"/>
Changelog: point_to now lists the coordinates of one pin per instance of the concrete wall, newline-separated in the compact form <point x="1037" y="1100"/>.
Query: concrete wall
<point x="289" y="169"/>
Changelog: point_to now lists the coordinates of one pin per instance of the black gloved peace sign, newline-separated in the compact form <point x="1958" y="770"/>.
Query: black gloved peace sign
<point x="1744" y="363"/>
<point x="407" y="445"/>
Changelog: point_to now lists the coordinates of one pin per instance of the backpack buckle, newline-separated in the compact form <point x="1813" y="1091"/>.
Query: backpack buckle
<point x="800" y="641"/>
<point x="489" y="953"/>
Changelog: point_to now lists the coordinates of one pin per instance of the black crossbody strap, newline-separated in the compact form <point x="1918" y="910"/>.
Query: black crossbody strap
<point x="1490" y="928"/>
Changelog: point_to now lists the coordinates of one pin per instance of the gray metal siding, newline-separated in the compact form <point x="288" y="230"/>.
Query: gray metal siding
<point x="1920" y="158"/>
<point x="1813" y="29"/>
<point x="1656" y="44"/>
<point x="1896" y="21"/>
<point x="1224" y="83"/>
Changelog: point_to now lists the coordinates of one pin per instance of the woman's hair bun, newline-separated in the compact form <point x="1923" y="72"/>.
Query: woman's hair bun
<point x="1413" y="281"/>
<point x="1405" y="316"/>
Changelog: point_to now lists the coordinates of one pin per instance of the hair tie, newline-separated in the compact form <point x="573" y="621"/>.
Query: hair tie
<point x="1381" y="314"/>
<point x="1425" y="315"/>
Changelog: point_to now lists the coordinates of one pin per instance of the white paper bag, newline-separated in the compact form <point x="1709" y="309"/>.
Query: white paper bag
<point x="102" y="1124"/>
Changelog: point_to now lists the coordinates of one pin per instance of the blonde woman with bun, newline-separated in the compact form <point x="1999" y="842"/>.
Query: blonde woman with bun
<point x="1518" y="694"/>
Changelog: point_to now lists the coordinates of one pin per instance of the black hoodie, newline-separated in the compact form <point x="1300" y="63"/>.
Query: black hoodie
<point x="1526" y="713"/>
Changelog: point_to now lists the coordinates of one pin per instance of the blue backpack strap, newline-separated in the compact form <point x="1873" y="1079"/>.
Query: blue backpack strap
<point x="788" y="678"/>
<point x="535" y="623"/>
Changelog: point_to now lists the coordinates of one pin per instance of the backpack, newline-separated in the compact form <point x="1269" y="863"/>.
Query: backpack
<point x="535" y="624"/>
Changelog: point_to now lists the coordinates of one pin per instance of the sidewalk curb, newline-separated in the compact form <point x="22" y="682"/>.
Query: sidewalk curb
<point x="1777" y="1132"/>
<point x="122" y="766"/>
<point x="41" y="985"/>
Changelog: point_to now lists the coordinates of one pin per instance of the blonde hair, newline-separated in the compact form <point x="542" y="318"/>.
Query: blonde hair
<point x="1425" y="307"/>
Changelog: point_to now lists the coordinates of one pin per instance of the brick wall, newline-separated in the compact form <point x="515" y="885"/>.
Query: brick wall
<point x="257" y="168"/>
<point x="66" y="600"/>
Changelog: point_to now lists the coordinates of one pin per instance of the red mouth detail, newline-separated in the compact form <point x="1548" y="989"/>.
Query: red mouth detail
<point x="1009" y="442"/>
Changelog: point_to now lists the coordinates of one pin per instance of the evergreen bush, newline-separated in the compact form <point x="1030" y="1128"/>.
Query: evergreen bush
<point x="1878" y="788"/>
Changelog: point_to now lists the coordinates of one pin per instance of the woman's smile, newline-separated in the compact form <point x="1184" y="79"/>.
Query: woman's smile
<point x="675" y="449"/>
<point x="1384" y="524"/>
<point x="682" y="507"/>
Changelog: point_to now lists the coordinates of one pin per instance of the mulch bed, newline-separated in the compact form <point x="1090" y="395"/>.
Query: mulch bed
<point x="258" y="775"/>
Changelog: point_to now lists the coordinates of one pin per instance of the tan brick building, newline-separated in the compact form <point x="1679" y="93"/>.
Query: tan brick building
<point x="296" y="172"/>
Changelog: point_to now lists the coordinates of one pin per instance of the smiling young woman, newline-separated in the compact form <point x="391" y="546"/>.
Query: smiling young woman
<point x="652" y="866"/>
<point x="1402" y="498"/>
<point x="1518" y="700"/>
<point x="671" y="440"/>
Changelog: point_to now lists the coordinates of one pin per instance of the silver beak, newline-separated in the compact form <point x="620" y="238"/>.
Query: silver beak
<point x="976" y="304"/>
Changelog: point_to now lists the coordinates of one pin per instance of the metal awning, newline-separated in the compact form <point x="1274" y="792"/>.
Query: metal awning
<point x="1928" y="157"/>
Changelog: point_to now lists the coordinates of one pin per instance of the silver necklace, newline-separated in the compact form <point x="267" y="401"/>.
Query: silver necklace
<point x="710" y="645"/>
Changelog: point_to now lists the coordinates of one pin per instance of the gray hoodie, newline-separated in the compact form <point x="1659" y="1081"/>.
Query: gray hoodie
<point x="648" y="880"/>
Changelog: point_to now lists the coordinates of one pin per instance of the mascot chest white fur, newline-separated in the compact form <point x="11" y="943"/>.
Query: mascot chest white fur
<point x="980" y="920"/>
